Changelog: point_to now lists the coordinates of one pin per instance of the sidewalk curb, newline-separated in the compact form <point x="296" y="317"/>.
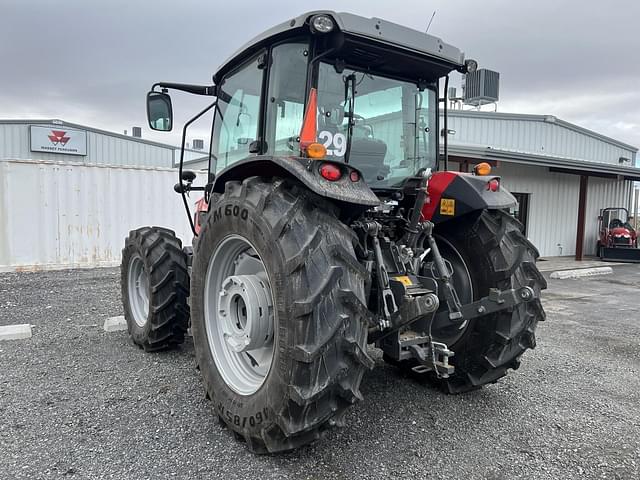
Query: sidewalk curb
<point x="581" y="272"/>
<point x="15" y="332"/>
<point x="115" y="324"/>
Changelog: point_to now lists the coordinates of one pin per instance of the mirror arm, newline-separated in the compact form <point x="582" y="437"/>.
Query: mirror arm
<point x="209" y="90"/>
<point x="180" y="169"/>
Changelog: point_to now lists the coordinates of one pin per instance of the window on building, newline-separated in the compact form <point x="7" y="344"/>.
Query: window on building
<point x="521" y="211"/>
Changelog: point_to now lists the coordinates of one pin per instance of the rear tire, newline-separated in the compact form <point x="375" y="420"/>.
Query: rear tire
<point x="155" y="286"/>
<point x="496" y="255"/>
<point x="318" y="318"/>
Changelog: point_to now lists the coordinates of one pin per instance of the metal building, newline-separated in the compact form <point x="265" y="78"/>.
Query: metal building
<point x="69" y="194"/>
<point x="561" y="174"/>
<point x="58" y="141"/>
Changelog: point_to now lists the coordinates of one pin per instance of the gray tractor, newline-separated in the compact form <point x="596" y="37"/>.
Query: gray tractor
<point x="329" y="225"/>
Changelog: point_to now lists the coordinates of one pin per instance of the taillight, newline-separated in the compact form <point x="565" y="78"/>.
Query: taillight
<point x="330" y="172"/>
<point x="493" y="185"/>
<point x="354" y="176"/>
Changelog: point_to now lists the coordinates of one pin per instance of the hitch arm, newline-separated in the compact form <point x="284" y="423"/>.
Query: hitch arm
<point x="496" y="301"/>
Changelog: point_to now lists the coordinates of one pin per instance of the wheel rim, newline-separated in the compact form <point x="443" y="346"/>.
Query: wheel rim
<point x="238" y="314"/>
<point x="138" y="287"/>
<point x="443" y="330"/>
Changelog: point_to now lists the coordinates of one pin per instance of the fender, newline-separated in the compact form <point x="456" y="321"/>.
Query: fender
<point x="453" y="194"/>
<point x="350" y="188"/>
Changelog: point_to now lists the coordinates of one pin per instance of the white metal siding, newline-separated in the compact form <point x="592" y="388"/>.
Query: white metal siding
<point x="530" y="134"/>
<point x="553" y="205"/>
<point x="101" y="148"/>
<point x="55" y="214"/>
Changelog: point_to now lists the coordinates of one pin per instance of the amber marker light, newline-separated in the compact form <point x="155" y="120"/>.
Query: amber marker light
<point x="482" y="169"/>
<point x="316" y="151"/>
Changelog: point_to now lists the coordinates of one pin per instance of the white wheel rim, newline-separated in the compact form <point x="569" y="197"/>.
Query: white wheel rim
<point x="138" y="287"/>
<point x="238" y="314"/>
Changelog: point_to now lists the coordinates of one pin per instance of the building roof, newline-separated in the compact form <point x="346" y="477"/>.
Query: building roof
<point x="549" y="119"/>
<point x="102" y="146"/>
<point x="57" y="121"/>
<point x="539" y="140"/>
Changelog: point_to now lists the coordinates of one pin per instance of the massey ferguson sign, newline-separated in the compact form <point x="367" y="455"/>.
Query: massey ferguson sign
<point x="58" y="139"/>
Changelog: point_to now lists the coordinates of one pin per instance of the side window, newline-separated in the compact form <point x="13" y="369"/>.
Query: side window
<point x="237" y="115"/>
<point x="285" y="111"/>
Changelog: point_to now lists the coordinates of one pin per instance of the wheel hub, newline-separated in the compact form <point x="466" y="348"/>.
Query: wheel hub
<point x="244" y="307"/>
<point x="138" y="287"/>
<point x="239" y="314"/>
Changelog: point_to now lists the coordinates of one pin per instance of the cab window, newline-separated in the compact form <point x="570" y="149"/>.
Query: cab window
<point x="285" y="108"/>
<point x="237" y="114"/>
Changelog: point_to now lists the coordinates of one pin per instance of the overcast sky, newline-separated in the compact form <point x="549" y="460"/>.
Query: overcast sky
<point x="92" y="62"/>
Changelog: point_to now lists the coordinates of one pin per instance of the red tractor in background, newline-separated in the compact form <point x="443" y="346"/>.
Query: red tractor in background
<point x="617" y="241"/>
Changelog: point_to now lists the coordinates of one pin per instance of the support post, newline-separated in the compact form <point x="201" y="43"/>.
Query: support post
<point x="582" y="211"/>
<point x="636" y="195"/>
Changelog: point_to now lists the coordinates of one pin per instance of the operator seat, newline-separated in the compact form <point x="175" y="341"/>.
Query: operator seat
<point x="616" y="223"/>
<point x="367" y="153"/>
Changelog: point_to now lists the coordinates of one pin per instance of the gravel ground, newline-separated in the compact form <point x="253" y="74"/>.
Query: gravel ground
<point x="81" y="403"/>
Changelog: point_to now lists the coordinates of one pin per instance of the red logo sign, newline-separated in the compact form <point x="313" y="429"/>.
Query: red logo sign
<point x="58" y="137"/>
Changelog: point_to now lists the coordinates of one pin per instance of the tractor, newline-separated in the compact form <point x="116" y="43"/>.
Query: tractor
<point x="329" y="226"/>
<point x="617" y="239"/>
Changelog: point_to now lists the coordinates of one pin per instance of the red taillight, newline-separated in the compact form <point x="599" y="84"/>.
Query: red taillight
<point x="493" y="185"/>
<point x="330" y="172"/>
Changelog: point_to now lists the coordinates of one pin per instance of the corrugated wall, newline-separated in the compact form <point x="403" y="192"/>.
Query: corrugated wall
<point x="530" y="134"/>
<point x="101" y="148"/>
<point x="553" y="205"/>
<point x="56" y="215"/>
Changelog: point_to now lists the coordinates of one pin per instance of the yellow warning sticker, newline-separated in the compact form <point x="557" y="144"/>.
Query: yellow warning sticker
<point x="404" y="280"/>
<point x="447" y="206"/>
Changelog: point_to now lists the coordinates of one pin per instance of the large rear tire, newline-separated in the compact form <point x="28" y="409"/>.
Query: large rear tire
<point x="155" y="286"/>
<point x="497" y="255"/>
<point x="487" y="251"/>
<point x="278" y="380"/>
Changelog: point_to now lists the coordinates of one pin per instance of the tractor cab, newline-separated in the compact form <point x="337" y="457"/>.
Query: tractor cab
<point x="362" y="92"/>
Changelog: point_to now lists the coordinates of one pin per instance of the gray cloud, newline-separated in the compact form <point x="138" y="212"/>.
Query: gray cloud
<point x="89" y="62"/>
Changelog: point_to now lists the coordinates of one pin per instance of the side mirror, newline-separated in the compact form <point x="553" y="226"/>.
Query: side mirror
<point x="159" y="111"/>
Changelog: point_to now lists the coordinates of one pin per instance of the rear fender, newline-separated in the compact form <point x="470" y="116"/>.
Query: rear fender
<point x="307" y="171"/>
<point x="453" y="194"/>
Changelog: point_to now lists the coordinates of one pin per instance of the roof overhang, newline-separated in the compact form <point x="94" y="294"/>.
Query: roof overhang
<point x="557" y="164"/>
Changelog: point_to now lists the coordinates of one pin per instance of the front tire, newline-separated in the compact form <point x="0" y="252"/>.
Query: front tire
<point x="280" y="249"/>
<point x="155" y="286"/>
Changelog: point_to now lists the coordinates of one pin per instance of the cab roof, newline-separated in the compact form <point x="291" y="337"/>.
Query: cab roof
<point x="371" y="29"/>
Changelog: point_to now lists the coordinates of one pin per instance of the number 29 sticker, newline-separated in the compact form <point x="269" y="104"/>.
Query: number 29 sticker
<point x="336" y="145"/>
